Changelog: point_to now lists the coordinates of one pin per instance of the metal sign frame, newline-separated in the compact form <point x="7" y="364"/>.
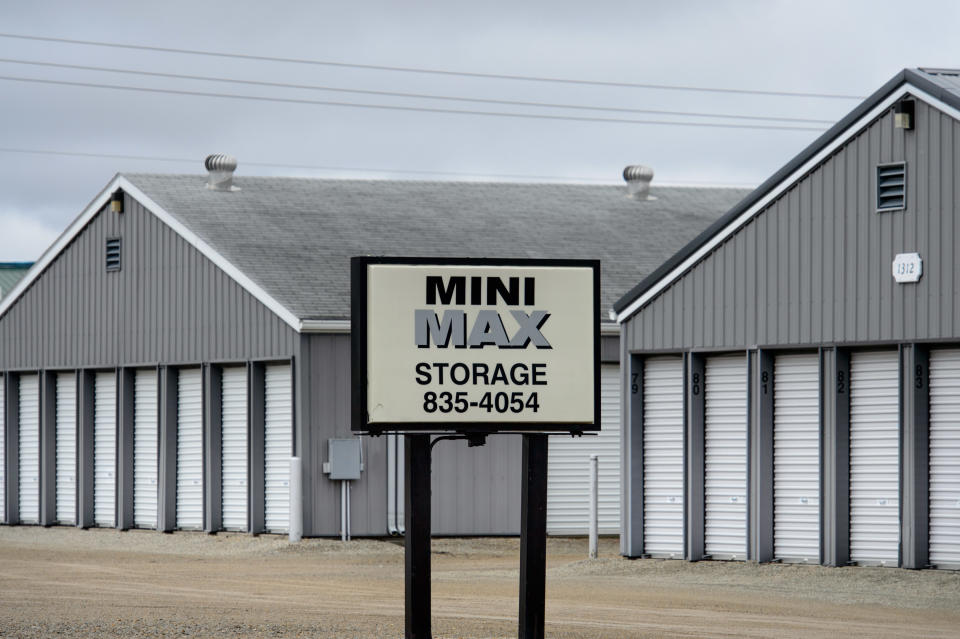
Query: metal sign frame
<point x="359" y="349"/>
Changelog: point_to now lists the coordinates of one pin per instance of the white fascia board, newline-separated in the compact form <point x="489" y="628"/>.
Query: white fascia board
<point x="609" y="328"/>
<point x="324" y="326"/>
<point x="120" y="182"/>
<point x="774" y="193"/>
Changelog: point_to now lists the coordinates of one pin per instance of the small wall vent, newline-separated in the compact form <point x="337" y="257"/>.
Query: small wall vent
<point x="891" y="186"/>
<point x="113" y="254"/>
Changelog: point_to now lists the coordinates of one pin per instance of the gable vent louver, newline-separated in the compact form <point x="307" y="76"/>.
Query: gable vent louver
<point x="891" y="186"/>
<point x="113" y="254"/>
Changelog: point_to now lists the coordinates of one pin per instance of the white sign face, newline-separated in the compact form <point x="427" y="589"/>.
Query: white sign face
<point x="481" y="344"/>
<point x="907" y="267"/>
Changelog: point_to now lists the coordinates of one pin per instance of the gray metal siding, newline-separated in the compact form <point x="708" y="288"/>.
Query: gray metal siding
<point x="475" y="490"/>
<point x="168" y="303"/>
<point x="324" y="396"/>
<point x="814" y="266"/>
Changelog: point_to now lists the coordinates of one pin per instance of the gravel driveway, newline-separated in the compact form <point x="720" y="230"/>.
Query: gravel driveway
<point x="104" y="583"/>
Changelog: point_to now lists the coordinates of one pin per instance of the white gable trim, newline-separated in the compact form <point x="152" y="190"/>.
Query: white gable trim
<point x="774" y="193"/>
<point x="120" y="182"/>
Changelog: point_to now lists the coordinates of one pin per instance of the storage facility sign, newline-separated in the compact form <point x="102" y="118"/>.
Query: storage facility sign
<point x="475" y="344"/>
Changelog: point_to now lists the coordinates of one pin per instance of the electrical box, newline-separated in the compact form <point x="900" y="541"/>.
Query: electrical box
<point x="345" y="459"/>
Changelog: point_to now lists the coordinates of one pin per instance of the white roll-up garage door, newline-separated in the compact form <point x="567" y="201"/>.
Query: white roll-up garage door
<point x="945" y="458"/>
<point x="796" y="458"/>
<point x="3" y="451"/>
<point x="568" y="469"/>
<point x="874" y="458"/>
<point x="234" y="448"/>
<point x="66" y="474"/>
<point x="189" y="449"/>
<point x="725" y="491"/>
<point x="145" y="449"/>
<point x="278" y="447"/>
<point x="104" y="449"/>
<point x="29" y="491"/>
<point x="663" y="457"/>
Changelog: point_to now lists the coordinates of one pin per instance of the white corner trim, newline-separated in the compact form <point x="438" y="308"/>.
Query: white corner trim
<point x="774" y="193"/>
<point x="120" y="182"/>
<point x="324" y="326"/>
<point x="609" y="328"/>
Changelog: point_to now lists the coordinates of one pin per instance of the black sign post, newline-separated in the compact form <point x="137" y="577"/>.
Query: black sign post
<point x="533" y="537"/>
<point x="416" y="517"/>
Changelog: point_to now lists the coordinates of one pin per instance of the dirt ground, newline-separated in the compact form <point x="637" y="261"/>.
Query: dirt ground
<point x="74" y="583"/>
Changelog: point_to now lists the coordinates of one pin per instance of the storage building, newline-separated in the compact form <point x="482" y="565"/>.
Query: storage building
<point x="185" y="335"/>
<point x="792" y="375"/>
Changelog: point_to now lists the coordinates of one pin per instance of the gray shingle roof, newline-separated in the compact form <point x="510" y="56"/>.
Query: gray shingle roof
<point x="294" y="236"/>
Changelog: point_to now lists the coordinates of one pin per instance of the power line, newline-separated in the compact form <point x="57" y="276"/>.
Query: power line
<point x="444" y="72"/>
<point x="285" y="85"/>
<point x="311" y="167"/>
<point x="392" y="107"/>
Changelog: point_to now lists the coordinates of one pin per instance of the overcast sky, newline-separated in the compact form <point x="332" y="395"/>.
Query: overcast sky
<point x="835" y="47"/>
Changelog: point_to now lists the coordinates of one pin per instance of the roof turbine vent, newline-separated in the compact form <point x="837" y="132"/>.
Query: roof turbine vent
<point x="221" y="167"/>
<point x="638" y="180"/>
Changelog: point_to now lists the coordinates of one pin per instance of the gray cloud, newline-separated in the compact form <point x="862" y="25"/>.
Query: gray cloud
<point x="849" y="47"/>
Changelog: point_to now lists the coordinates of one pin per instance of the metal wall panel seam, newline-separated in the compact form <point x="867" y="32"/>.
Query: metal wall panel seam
<point x="915" y="477"/>
<point x="48" y="452"/>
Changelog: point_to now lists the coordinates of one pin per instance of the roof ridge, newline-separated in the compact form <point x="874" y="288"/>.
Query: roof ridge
<point x="663" y="185"/>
